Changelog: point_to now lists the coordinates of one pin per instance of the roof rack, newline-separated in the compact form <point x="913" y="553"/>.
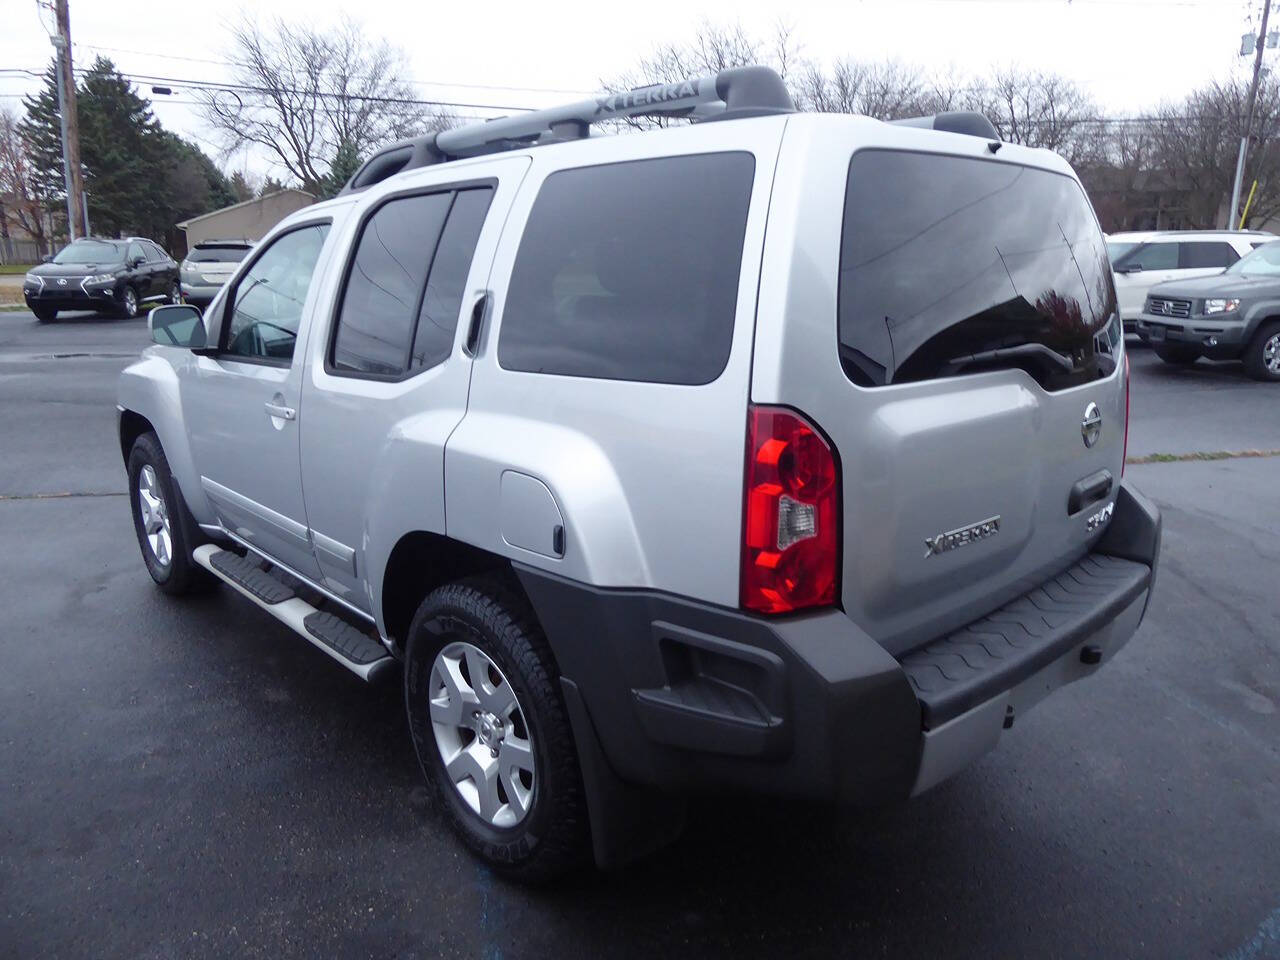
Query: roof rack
<point x="955" y="121"/>
<point x="740" y="92"/>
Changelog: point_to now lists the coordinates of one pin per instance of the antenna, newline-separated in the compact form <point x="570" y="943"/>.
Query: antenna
<point x="740" y="92"/>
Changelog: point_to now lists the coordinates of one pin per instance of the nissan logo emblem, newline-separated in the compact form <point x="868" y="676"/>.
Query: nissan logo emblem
<point x="1091" y="425"/>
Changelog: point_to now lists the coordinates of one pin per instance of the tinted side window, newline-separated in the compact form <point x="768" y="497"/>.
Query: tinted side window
<point x="1203" y="255"/>
<point x="629" y="271"/>
<point x="385" y="283"/>
<point x="154" y="252"/>
<point x="135" y="252"/>
<point x="266" y="305"/>
<point x="1151" y="256"/>
<point x="438" y="318"/>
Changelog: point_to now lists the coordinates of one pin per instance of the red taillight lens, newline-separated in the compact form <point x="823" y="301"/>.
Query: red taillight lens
<point x="1126" y="412"/>
<point x="790" y="540"/>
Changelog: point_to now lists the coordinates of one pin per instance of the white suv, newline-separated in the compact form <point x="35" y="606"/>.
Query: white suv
<point x="1141" y="260"/>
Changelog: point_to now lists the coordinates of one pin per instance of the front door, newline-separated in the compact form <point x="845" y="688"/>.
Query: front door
<point x="242" y="403"/>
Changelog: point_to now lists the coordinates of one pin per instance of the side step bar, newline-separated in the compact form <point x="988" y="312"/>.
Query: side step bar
<point x="358" y="652"/>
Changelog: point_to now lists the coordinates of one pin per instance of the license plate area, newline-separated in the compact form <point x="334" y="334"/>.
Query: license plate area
<point x="1156" y="332"/>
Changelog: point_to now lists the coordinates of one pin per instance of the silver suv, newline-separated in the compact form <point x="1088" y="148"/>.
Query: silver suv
<point x="775" y="452"/>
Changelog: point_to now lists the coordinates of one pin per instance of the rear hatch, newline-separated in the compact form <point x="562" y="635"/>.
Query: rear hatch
<point x="979" y="342"/>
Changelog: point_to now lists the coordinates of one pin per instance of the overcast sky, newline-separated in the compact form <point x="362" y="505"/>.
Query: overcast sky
<point x="1129" y="54"/>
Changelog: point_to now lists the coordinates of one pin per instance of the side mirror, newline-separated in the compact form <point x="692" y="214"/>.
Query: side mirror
<point x="177" y="325"/>
<point x="135" y="262"/>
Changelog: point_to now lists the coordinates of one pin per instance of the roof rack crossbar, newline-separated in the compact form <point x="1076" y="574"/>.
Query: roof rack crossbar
<point x="739" y="92"/>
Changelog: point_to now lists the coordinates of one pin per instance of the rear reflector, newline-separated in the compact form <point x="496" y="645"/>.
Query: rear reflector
<point x="1126" y="413"/>
<point x="790" y="541"/>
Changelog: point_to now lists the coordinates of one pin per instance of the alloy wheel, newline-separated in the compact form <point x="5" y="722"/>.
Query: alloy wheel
<point x="480" y="730"/>
<point x="1271" y="354"/>
<point x="155" y="516"/>
<point x="130" y="302"/>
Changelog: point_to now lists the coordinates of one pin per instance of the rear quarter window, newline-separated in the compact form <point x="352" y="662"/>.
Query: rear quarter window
<point x="629" y="271"/>
<point x="952" y="265"/>
<point x="1203" y="255"/>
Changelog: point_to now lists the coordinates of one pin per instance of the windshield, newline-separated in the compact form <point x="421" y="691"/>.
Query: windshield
<point x="952" y="265"/>
<point x="91" y="251"/>
<point x="1118" y="248"/>
<point x="1263" y="262"/>
<point x="217" y="254"/>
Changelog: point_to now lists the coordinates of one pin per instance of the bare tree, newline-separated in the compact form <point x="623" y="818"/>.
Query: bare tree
<point x="299" y="92"/>
<point x="19" y="195"/>
<point x="1040" y="109"/>
<point x="885" y="90"/>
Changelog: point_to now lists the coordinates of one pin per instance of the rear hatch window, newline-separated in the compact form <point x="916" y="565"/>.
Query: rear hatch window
<point x="951" y="266"/>
<point x="217" y="254"/>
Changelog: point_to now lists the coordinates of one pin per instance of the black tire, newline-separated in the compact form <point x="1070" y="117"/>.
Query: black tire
<point x="491" y="613"/>
<point x="1262" y="355"/>
<point x="175" y="293"/>
<point x="44" y="314"/>
<point x="181" y="574"/>
<point x="1177" y="354"/>
<point x="128" y="307"/>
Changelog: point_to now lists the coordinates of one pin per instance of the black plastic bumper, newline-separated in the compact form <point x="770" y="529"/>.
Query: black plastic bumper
<point x="672" y="696"/>
<point x="1220" y="341"/>
<point x="72" y="299"/>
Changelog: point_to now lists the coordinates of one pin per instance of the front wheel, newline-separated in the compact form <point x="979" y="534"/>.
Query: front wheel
<point x="128" y="303"/>
<point x="1262" y="356"/>
<point x="158" y="515"/>
<point x="491" y="731"/>
<point x="1178" y="355"/>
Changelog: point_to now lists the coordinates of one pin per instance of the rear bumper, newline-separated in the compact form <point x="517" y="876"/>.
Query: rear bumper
<point x="199" y="293"/>
<point x="680" y="697"/>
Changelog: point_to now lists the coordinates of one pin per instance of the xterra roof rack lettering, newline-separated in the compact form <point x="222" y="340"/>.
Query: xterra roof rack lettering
<point x="651" y="492"/>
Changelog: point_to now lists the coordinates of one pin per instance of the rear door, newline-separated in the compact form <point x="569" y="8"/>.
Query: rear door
<point x="951" y="326"/>
<point x="387" y="375"/>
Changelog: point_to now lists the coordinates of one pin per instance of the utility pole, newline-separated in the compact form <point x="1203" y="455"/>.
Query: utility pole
<point x="1248" y="123"/>
<point x="77" y="216"/>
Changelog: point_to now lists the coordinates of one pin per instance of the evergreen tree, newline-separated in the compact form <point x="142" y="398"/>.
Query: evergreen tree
<point x="41" y="131"/>
<point x="269" y="185"/>
<point x="241" y="187"/>
<point x="346" y="161"/>
<point x="123" y="154"/>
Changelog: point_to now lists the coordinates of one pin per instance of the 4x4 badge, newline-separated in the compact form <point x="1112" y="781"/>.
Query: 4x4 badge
<point x="962" y="536"/>
<point x="1091" y="425"/>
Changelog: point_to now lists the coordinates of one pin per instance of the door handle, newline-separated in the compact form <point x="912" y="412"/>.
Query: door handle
<point x="281" y="411"/>
<point x="472" y="342"/>
<point x="1089" y="491"/>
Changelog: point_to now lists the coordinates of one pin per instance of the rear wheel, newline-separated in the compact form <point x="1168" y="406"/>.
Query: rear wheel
<point x="44" y="314"/>
<point x="160" y="521"/>
<point x="491" y="731"/>
<point x="1262" y="356"/>
<point x="1178" y="355"/>
<point x="175" y="293"/>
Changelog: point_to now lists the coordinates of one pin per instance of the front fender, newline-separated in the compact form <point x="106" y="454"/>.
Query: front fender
<point x="150" y="388"/>
<point x="1258" y="314"/>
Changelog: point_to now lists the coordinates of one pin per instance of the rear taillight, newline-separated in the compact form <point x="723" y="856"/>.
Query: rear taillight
<point x="1126" y="412"/>
<point x="790" y="538"/>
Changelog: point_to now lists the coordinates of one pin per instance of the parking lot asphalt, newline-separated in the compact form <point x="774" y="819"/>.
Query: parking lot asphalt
<point x="187" y="778"/>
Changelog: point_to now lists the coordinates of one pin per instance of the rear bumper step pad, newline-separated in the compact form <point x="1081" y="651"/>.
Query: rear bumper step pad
<point x="358" y="652"/>
<point x="993" y="654"/>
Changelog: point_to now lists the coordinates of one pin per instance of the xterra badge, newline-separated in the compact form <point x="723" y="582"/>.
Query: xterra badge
<point x="962" y="536"/>
<point x="1099" y="519"/>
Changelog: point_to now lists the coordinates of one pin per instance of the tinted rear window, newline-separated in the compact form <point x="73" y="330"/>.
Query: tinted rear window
<point x="945" y="260"/>
<point x="629" y="271"/>
<point x="217" y="254"/>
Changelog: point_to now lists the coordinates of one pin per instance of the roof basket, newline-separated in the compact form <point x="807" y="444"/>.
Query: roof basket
<point x="958" y="121"/>
<point x="740" y="92"/>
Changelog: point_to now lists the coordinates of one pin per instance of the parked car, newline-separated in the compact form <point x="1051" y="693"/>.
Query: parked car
<point x="207" y="267"/>
<point x="1152" y="258"/>
<point x="103" y="275"/>
<point x="1234" y="315"/>
<point x="485" y="413"/>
